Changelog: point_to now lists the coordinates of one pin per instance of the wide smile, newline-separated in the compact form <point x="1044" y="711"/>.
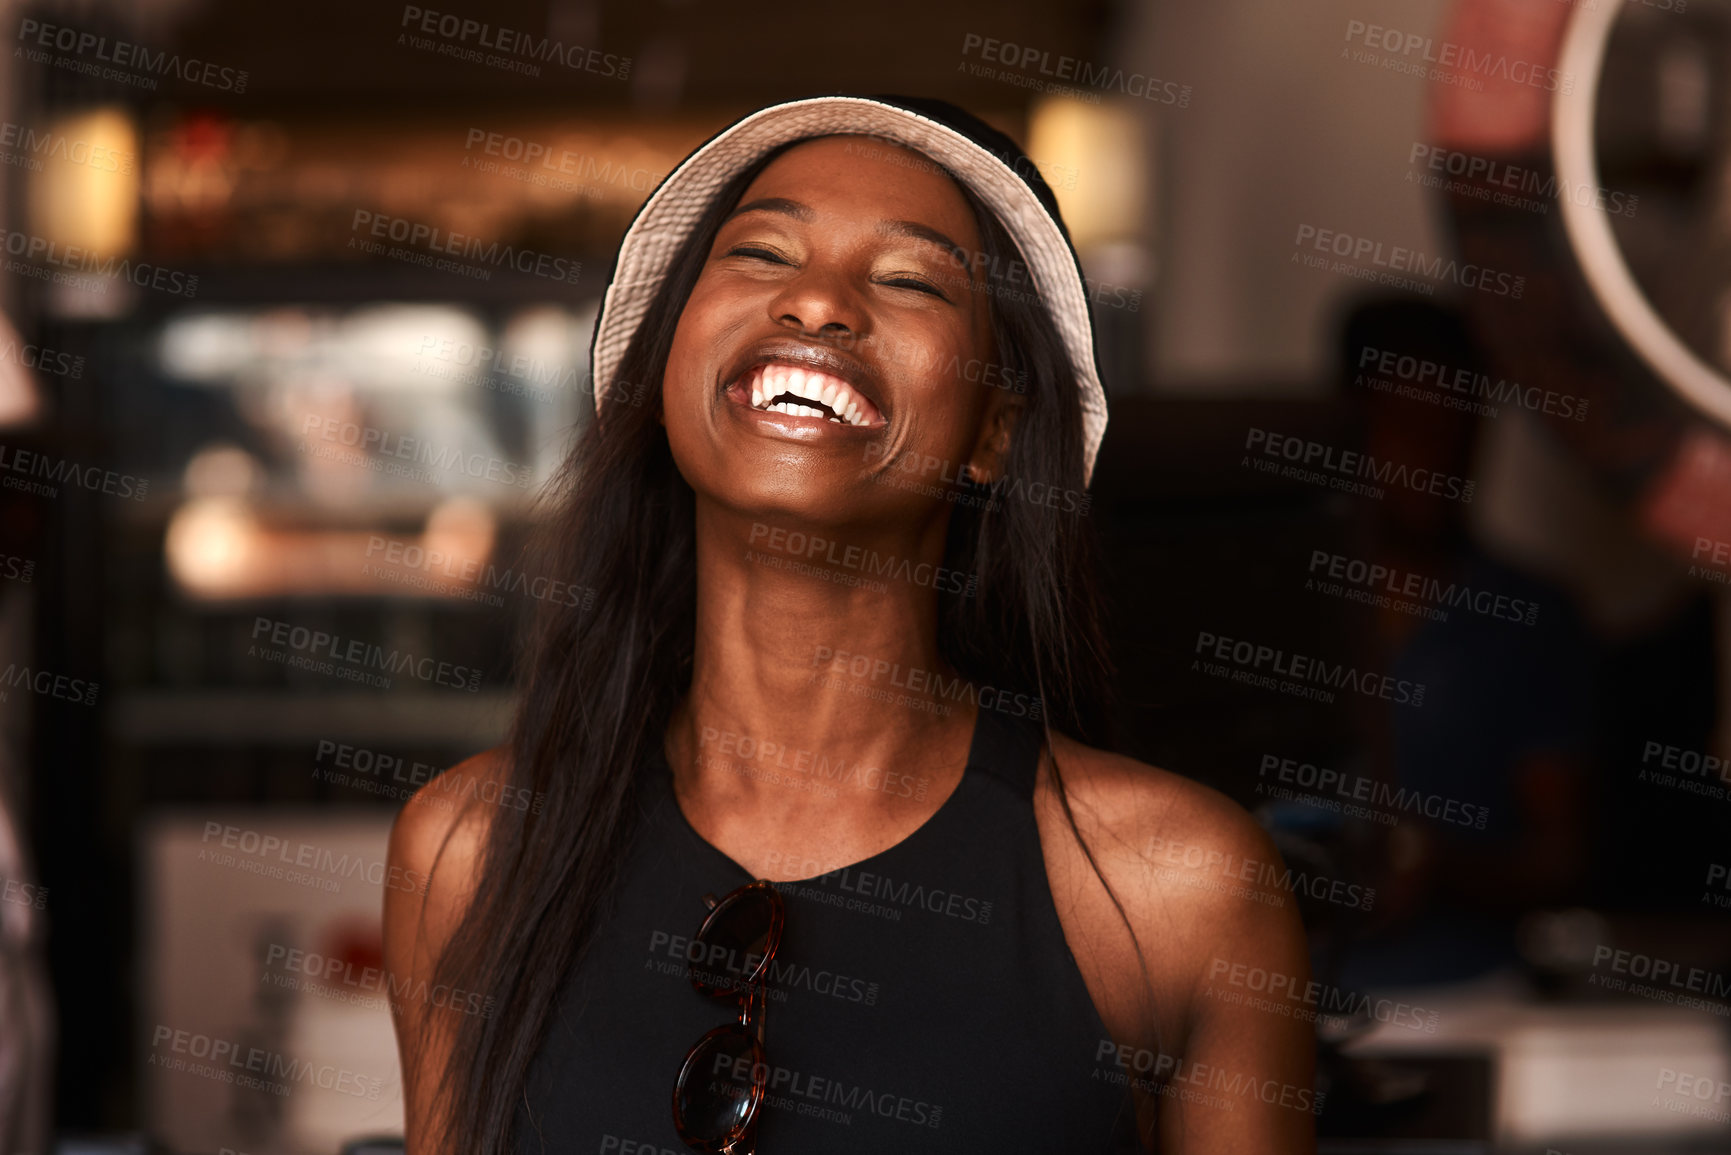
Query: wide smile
<point x="802" y="390"/>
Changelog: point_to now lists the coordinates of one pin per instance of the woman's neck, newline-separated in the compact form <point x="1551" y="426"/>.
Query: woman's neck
<point x="819" y="700"/>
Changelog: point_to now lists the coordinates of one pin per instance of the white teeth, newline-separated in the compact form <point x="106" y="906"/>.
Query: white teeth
<point x="776" y="379"/>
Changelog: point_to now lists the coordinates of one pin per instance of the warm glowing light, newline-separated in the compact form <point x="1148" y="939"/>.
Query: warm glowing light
<point x="20" y="399"/>
<point x="221" y="470"/>
<point x="462" y="529"/>
<point x="212" y="545"/>
<point x="1095" y="158"/>
<point x="86" y="193"/>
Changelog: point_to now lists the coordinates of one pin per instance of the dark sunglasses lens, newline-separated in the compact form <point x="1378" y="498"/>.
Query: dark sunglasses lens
<point x="734" y="942"/>
<point x="713" y="1101"/>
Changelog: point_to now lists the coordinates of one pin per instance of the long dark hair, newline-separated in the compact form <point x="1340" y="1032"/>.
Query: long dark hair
<point x="600" y="681"/>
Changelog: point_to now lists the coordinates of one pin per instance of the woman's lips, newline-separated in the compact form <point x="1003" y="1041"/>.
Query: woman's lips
<point x="805" y="393"/>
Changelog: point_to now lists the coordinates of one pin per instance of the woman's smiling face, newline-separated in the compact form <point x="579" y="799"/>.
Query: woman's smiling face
<point x="841" y="292"/>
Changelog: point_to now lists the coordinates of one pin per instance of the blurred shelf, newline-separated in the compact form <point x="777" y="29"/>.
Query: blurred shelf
<point x="324" y="282"/>
<point x="368" y="511"/>
<point x="1402" y="1147"/>
<point x="251" y="718"/>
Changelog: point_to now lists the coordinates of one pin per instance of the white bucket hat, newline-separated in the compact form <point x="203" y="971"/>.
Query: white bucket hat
<point x="985" y="160"/>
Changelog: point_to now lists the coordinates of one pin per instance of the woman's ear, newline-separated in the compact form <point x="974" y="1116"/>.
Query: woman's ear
<point x="992" y="450"/>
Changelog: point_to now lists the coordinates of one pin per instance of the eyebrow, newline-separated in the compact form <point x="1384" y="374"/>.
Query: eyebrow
<point x="921" y="232"/>
<point x="774" y="205"/>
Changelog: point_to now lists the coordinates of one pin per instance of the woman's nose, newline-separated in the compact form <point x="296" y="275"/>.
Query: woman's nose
<point x="819" y="300"/>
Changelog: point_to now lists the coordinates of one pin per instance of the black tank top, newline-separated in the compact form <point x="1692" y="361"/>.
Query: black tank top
<point x="923" y="999"/>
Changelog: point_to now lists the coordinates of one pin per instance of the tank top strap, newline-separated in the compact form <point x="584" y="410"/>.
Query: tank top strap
<point x="1007" y="747"/>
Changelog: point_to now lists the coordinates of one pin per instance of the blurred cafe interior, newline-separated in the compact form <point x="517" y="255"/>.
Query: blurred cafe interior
<point x="1303" y="225"/>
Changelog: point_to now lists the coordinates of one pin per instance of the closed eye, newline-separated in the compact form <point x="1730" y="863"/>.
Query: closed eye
<point x="916" y="284"/>
<point x="758" y="252"/>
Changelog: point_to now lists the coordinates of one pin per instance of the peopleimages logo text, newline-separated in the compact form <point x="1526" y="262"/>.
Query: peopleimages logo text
<point x="76" y="259"/>
<point x="462" y="31"/>
<point x="36" y="144"/>
<point x="1162" y="1070"/>
<point x="1501" y="177"/>
<point x="48" y="684"/>
<point x="225" y="1057"/>
<point x="125" y="54"/>
<point x="360" y="655"/>
<point x="1661" y="970"/>
<point x="1171" y="852"/>
<point x="1405" y="260"/>
<point x="1351" y="463"/>
<point x="1302" y="669"/>
<point x="564" y="162"/>
<point x="1027" y="58"/>
<point x="442" y="241"/>
<point x="862" y="559"/>
<point x="1375" y="579"/>
<point x="1322" y="782"/>
<point x="864" y="667"/>
<point x="1324" y="997"/>
<point x="92" y="477"/>
<point x="339" y="973"/>
<point x="1471" y="383"/>
<point x="1448" y="54"/>
<point x="382" y="444"/>
<point x="256" y="844"/>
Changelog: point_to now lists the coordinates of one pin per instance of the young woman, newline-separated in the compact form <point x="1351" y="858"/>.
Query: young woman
<point x="843" y="638"/>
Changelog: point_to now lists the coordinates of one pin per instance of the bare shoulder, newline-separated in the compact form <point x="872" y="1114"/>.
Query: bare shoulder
<point x="436" y="843"/>
<point x="1141" y="817"/>
<point x="1197" y="878"/>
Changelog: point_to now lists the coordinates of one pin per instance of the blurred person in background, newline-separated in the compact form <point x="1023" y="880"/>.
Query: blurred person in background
<point x="1511" y="667"/>
<point x="1585" y="506"/>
